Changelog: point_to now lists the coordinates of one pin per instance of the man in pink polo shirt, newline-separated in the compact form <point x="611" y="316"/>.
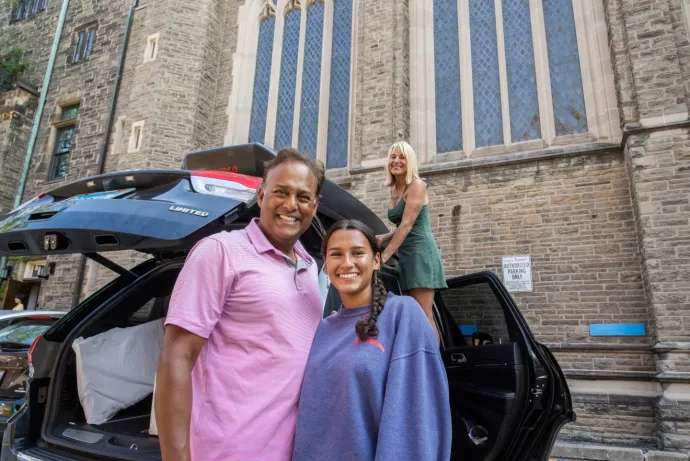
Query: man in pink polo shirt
<point x="242" y="317"/>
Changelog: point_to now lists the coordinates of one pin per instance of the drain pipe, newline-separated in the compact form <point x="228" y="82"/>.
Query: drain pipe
<point x="38" y="115"/>
<point x="81" y="269"/>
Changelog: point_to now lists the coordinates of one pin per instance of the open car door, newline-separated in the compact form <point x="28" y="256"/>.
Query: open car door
<point x="509" y="398"/>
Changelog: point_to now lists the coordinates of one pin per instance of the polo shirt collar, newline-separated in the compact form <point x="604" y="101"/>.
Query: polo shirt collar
<point x="262" y="244"/>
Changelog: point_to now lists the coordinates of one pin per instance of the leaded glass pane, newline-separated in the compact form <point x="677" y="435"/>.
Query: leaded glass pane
<point x="339" y="98"/>
<point x="311" y="80"/>
<point x="77" y="51"/>
<point x="488" y="120"/>
<point x="69" y="112"/>
<point x="19" y="11"/>
<point x="525" y="122"/>
<point x="288" y="78"/>
<point x="262" y="80"/>
<point x="89" y="43"/>
<point x="447" y="76"/>
<point x="564" y="65"/>
<point x="63" y="147"/>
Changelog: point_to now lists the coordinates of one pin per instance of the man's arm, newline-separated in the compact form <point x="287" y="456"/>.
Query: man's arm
<point x="174" y="392"/>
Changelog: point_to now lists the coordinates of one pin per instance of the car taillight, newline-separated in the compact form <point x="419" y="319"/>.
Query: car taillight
<point x="223" y="184"/>
<point x="31" y="349"/>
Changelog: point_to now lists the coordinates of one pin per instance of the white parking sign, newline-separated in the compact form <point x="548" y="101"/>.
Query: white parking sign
<point x="517" y="273"/>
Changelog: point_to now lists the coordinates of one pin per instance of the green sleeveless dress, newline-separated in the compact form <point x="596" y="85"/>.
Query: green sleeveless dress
<point x="420" y="261"/>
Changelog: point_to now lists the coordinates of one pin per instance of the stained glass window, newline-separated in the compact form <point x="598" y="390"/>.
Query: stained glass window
<point x="311" y="80"/>
<point x="447" y="76"/>
<point x="339" y="98"/>
<point x="288" y="78"/>
<point x="488" y="121"/>
<point x="525" y="122"/>
<point x="564" y="66"/>
<point x="262" y="79"/>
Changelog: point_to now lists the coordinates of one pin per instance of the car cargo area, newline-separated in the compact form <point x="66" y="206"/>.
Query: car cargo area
<point x="126" y="434"/>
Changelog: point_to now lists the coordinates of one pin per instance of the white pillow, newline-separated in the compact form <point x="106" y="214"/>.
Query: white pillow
<point x="116" y="369"/>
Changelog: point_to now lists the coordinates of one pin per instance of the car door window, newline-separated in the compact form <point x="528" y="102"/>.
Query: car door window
<point x="477" y="313"/>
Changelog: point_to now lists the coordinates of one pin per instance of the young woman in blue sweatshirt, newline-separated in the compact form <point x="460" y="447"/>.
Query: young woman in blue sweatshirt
<point x="375" y="388"/>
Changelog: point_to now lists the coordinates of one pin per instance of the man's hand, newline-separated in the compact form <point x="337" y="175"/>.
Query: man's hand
<point x="173" y="399"/>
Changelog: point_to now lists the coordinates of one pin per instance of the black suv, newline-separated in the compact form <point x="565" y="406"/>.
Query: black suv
<point x="509" y="398"/>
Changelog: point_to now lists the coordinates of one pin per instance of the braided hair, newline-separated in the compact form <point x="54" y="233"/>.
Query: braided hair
<point x="366" y="327"/>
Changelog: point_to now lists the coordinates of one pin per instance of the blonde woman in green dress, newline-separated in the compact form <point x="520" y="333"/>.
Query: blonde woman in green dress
<point x="421" y="268"/>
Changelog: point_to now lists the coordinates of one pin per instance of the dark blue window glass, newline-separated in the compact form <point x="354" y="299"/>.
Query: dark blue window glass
<point x="525" y="122"/>
<point x="262" y="80"/>
<point x="564" y="65"/>
<point x="311" y="80"/>
<point x="288" y="79"/>
<point x="447" y="76"/>
<point x="339" y="98"/>
<point x="488" y="122"/>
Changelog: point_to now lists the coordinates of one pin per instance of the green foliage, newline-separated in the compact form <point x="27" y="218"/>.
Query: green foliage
<point x="12" y="62"/>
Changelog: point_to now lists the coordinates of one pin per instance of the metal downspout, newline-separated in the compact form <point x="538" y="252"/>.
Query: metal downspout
<point x="38" y="115"/>
<point x="104" y="151"/>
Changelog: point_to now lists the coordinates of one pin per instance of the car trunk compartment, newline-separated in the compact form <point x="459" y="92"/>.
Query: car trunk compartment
<point x="125" y="435"/>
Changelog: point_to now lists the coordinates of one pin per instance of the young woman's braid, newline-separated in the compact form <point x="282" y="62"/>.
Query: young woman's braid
<point x="366" y="328"/>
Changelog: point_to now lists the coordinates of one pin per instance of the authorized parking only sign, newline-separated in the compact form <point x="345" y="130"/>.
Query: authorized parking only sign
<point x="517" y="273"/>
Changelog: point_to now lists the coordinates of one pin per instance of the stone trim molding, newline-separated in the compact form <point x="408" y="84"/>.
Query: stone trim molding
<point x="597" y="79"/>
<point x="501" y="160"/>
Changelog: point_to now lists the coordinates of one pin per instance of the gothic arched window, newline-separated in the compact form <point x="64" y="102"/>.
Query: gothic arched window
<point x="508" y="72"/>
<point x="298" y="54"/>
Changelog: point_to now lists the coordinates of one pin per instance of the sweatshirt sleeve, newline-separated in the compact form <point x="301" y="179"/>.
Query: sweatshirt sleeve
<point x="416" y="420"/>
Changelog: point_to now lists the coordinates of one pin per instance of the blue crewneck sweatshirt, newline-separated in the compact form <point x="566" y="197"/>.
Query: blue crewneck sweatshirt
<point x="383" y="399"/>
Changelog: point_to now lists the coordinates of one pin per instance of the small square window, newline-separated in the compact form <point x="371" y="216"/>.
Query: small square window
<point x="151" y="48"/>
<point x="84" y="39"/>
<point x="136" y="137"/>
<point x="69" y="112"/>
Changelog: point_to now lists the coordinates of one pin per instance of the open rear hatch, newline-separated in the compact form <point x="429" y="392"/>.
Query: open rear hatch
<point x="158" y="210"/>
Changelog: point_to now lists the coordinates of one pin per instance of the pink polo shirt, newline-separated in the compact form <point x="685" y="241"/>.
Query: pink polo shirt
<point x="259" y="312"/>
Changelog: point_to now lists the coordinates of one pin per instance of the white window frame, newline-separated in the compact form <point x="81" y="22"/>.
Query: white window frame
<point x="152" y="45"/>
<point x="597" y="80"/>
<point x="244" y="67"/>
<point x="134" y="141"/>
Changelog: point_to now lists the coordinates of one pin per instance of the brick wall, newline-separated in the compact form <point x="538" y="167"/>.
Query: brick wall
<point x="68" y="83"/>
<point x="660" y="172"/>
<point x="224" y="85"/>
<point x="613" y="421"/>
<point x="573" y="215"/>
<point x="17" y="108"/>
<point x="659" y="86"/>
<point x="618" y="44"/>
<point x="382" y="107"/>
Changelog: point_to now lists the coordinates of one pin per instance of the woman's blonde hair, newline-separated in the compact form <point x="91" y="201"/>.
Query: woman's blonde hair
<point x="412" y="169"/>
